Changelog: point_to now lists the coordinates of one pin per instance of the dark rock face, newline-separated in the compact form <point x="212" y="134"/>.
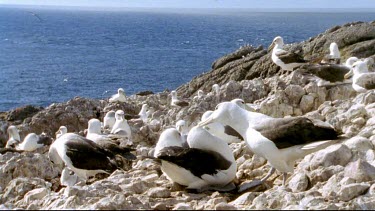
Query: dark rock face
<point x="24" y="112"/>
<point x="353" y="39"/>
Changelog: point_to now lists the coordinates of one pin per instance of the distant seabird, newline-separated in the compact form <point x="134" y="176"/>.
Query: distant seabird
<point x="176" y="102"/>
<point x="82" y="156"/>
<point x="363" y="80"/>
<point x="62" y="130"/>
<point x="14" y="137"/>
<point x="207" y="164"/>
<point x="33" y="141"/>
<point x="121" y="124"/>
<point x="104" y="141"/>
<point x="334" y="55"/>
<point x="216" y="89"/>
<point x="119" y="97"/>
<point x="200" y="94"/>
<point x="281" y="141"/>
<point x="109" y="120"/>
<point x="143" y="113"/>
<point x="284" y="59"/>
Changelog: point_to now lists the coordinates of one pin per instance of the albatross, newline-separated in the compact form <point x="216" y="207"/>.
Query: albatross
<point x="109" y="120"/>
<point x="121" y="125"/>
<point x="14" y="137"/>
<point x="334" y="54"/>
<point x="207" y="164"/>
<point x="284" y="59"/>
<point x="119" y="97"/>
<point x="177" y="102"/>
<point x="281" y="141"/>
<point x="363" y="80"/>
<point x="82" y="156"/>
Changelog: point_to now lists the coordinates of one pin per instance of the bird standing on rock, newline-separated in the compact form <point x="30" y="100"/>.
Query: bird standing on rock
<point x="281" y="141"/>
<point x="284" y="59"/>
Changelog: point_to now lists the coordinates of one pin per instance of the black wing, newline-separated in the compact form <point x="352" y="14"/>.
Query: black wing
<point x="197" y="161"/>
<point x="287" y="132"/>
<point x="85" y="154"/>
<point x="328" y="72"/>
<point x="290" y="57"/>
<point x="45" y="140"/>
<point x="231" y="131"/>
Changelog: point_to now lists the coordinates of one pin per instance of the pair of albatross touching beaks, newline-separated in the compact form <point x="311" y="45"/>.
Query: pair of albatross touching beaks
<point x="281" y="141"/>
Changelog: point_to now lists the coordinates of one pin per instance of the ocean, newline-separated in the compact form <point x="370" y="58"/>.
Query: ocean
<point x="50" y="55"/>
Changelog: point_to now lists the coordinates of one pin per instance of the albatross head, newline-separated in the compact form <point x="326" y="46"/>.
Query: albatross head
<point x="121" y="91"/>
<point x="224" y="113"/>
<point x="94" y="126"/>
<point x="359" y="67"/>
<point x="13" y="133"/>
<point x="119" y="115"/>
<point x="277" y="42"/>
<point x="110" y="114"/>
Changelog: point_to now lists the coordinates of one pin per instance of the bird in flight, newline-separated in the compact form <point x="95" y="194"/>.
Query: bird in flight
<point x="35" y="15"/>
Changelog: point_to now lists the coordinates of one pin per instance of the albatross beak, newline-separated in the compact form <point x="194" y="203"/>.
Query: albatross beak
<point x="349" y="74"/>
<point x="209" y="120"/>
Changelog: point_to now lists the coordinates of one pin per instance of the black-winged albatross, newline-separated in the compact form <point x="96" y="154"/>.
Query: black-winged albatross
<point x="281" y="141"/>
<point x="284" y="59"/>
<point x="119" y="97"/>
<point x="329" y="73"/>
<point x="82" y="156"/>
<point x="207" y="164"/>
<point x="177" y="102"/>
<point x="94" y="134"/>
<point x="363" y="80"/>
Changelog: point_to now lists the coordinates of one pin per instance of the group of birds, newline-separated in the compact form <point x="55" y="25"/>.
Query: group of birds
<point x="200" y="158"/>
<point x="329" y="69"/>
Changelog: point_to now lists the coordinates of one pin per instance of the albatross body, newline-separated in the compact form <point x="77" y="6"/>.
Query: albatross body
<point x="177" y="102"/>
<point x="208" y="162"/>
<point x="119" y="97"/>
<point x="279" y="140"/>
<point x="109" y="120"/>
<point x="121" y="126"/>
<point x="33" y="141"/>
<point x="14" y="137"/>
<point x="82" y="156"/>
<point x="363" y="80"/>
<point x="284" y="59"/>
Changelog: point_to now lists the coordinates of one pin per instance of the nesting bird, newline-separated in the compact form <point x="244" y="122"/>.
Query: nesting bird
<point x="119" y="97"/>
<point x="334" y="55"/>
<point x="61" y="131"/>
<point x="33" y="141"/>
<point x="363" y="80"/>
<point x="177" y="102"/>
<point x="121" y="125"/>
<point x="281" y="141"/>
<point x="143" y="115"/>
<point x="82" y="156"/>
<point x="207" y="164"/>
<point x="284" y="59"/>
<point x="216" y="89"/>
<point x="109" y="120"/>
<point x="14" y="137"/>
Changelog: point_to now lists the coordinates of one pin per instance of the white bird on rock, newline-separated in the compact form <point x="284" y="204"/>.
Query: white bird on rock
<point x="121" y="125"/>
<point x="207" y="164"/>
<point x="61" y="131"/>
<point x="177" y="102"/>
<point x="109" y="120"/>
<point x="281" y="141"/>
<point x="334" y="56"/>
<point x="363" y="80"/>
<point x="119" y="97"/>
<point x="14" y="137"/>
<point x="284" y="59"/>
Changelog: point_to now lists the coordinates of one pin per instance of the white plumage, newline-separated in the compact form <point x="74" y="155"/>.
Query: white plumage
<point x="121" y="124"/>
<point x="119" y="97"/>
<point x="62" y="130"/>
<point x="143" y="115"/>
<point x="109" y="120"/>
<point x="14" y="137"/>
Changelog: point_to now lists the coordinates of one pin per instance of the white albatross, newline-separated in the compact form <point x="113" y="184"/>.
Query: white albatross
<point x="33" y="141"/>
<point x="119" y="97"/>
<point x="177" y="102"/>
<point x="14" y="137"/>
<point x="284" y="59"/>
<point x="121" y="125"/>
<point x="334" y="56"/>
<point x="61" y="131"/>
<point x="109" y="120"/>
<point x="143" y="115"/>
<point x="207" y="164"/>
<point x="363" y="80"/>
<point x="281" y="141"/>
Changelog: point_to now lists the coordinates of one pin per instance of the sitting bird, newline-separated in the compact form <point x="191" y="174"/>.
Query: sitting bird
<point x="119" y="97"/>
<point x="177" y="102"/>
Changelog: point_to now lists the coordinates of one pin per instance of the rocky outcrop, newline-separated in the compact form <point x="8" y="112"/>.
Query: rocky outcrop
<point x="338" y="177"/>
<point x="353" y="39"/>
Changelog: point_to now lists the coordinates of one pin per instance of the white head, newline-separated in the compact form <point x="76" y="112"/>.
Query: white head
<point x="359" y="67"/>
<point x="180" y="126"/>
<point x="334" y="51"/>
<point x="121" y="91"/>
<point x="61" y="131"/>
<point x="13" y="133"/>
<point x="350" y="61"/>
<point x="206" y="115"/>
<point x="169" y="137"/>
<point x="277" y="42"/>
<point x="94" y="126"/>
<point x="144" y="108"/>
<point x="110" y="114"/>
<point x="200" y="93"/>
<point x="119" y="115"/>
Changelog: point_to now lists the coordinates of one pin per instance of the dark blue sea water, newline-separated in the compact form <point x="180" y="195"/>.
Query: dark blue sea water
<point x="68" y="53"/>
